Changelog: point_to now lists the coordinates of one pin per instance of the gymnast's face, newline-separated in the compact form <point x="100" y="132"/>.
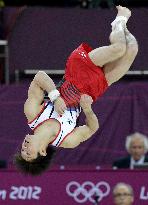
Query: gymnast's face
<point x="29" y="150"/>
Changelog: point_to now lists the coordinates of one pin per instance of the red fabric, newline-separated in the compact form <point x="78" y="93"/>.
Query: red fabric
<point x="84" y="74"/>
<point x="70" y="94"/>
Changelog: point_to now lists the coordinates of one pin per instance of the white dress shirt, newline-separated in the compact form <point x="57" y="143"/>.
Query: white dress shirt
<point x="133" y="162"/>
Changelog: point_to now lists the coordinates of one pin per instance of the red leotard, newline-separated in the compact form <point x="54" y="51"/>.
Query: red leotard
<point x="82" y="76"/>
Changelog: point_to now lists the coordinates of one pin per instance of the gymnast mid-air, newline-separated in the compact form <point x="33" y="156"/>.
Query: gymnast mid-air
<point x="88" y="74"/>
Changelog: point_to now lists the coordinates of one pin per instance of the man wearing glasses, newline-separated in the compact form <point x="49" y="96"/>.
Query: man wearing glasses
<point x="123" y="194"/>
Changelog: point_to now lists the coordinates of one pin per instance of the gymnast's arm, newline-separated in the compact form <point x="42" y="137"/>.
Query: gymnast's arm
<point x="44" y="83"/>
<point x="82" y="133"/>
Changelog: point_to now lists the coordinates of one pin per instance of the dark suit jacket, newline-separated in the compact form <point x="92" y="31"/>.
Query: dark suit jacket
<point x="124" y="163"/>
<point x="3" y="164"/>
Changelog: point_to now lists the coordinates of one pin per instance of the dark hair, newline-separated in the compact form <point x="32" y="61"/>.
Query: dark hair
<point x="38" y="165"/>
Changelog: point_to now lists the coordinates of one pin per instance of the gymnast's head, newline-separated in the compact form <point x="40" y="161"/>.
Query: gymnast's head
<point x="34" y="157"/>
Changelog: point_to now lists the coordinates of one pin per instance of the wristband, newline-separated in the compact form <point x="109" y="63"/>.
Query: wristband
<point x="53" y="95"/>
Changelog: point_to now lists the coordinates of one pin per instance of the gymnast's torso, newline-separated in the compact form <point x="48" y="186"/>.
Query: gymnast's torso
<point x="67" y="121"/>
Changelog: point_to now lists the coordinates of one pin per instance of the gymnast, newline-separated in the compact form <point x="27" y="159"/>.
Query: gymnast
<point x="88" y="74"/>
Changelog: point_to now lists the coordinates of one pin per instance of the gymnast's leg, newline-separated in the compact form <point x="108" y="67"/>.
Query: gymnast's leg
<point x="118" y="68"/>
<point x="106" y="54"/>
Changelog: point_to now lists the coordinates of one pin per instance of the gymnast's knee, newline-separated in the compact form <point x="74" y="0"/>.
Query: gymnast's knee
<point x="132" y="48"/>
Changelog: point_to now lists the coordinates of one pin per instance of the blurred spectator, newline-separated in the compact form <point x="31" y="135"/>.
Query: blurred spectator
<point x="3" y="164"/>
<point x="2" y="4"/>
<point x="123" y="194"/>
<point x="85" y="3"/>
<point x="137" y="147"/>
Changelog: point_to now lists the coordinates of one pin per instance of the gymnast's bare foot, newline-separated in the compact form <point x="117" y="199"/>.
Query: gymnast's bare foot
<point x="123" y="11"/>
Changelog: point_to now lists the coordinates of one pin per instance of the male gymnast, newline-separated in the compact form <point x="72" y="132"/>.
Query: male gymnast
<point x="89" y="72"/>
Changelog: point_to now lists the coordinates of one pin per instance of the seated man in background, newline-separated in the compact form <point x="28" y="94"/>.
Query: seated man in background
<point x="137" y="147"/>
<point x="123" y="194"/>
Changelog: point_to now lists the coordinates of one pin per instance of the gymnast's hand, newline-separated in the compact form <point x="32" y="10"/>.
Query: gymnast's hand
<point x="60" y="105"/>
<point x="85" y="102"/>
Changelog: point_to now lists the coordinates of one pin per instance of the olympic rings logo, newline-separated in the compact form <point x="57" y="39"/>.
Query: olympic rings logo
<point x="87" y="191"/>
